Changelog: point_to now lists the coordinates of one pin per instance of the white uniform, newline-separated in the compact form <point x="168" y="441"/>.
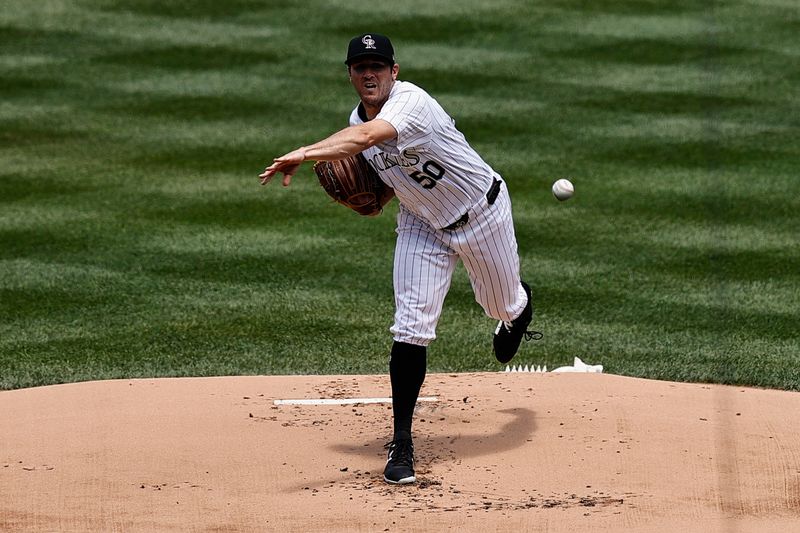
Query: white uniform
<point x="438" y="179"/>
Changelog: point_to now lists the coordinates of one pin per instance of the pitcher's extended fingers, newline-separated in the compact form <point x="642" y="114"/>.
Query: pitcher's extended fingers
<point x="270" y="172"/>
<point x="267" y="175"/>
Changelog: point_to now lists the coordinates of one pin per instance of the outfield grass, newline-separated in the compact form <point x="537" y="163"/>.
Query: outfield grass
<point x="136" y="241"/>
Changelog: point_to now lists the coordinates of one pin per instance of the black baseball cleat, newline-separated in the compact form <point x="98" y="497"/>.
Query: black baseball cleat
<point x="508" y="335"/>
<point x="400" y="465"/>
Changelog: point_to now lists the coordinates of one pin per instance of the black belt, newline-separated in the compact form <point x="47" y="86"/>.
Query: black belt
<point x="491" y="196"/>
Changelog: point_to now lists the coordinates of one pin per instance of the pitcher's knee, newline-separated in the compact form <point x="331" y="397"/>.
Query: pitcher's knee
<point x="507" y="311"/>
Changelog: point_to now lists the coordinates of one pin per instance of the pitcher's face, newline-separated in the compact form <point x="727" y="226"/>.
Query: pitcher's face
<point x="373" y="80"/>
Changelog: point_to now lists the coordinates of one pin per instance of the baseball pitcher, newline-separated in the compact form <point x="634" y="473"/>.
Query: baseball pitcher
<point x="453" y="206"/>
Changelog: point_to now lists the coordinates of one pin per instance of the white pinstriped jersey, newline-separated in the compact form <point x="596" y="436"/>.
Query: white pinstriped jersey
<point x="434" y="171"/>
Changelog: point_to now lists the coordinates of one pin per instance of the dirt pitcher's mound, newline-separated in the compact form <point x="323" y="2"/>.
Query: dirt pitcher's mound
<point x="496" y="452"/>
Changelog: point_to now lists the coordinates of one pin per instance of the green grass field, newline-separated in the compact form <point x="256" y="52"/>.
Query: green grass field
<point x="135" y="239"/>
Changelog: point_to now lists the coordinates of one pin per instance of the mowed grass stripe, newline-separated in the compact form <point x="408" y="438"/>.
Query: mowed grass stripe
<point x="136" y="241"/>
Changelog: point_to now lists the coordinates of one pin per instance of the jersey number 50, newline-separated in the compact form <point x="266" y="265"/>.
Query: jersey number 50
<point x="431" y="173"/>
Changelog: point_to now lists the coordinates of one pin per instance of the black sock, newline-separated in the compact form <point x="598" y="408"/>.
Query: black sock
<point x="407" y="372"/>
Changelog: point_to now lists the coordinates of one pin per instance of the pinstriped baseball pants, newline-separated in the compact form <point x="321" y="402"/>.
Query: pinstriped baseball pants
<point x="426" y="257"/>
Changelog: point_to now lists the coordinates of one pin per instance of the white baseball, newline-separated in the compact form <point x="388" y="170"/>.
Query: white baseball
<point x="563" y="190"/>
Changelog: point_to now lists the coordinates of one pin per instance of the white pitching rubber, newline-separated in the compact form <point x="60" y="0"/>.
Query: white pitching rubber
<point x="344" y="401"/>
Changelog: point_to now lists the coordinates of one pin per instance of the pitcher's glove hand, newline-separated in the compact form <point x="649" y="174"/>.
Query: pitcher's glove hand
<point x="354" y="184"/>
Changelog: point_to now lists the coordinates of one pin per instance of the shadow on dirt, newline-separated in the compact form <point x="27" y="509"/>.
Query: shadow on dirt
<point x="461" y="444"/>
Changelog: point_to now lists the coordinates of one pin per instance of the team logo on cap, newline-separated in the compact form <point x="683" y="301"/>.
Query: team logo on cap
<point x="369" y="42"/>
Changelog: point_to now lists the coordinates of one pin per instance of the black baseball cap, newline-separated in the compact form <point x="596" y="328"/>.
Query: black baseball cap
<point x="370" y="44"/>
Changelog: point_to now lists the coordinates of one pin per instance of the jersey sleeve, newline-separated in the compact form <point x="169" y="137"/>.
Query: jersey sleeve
<point x="354" y="118"/>
<point x="409" y="113"/>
